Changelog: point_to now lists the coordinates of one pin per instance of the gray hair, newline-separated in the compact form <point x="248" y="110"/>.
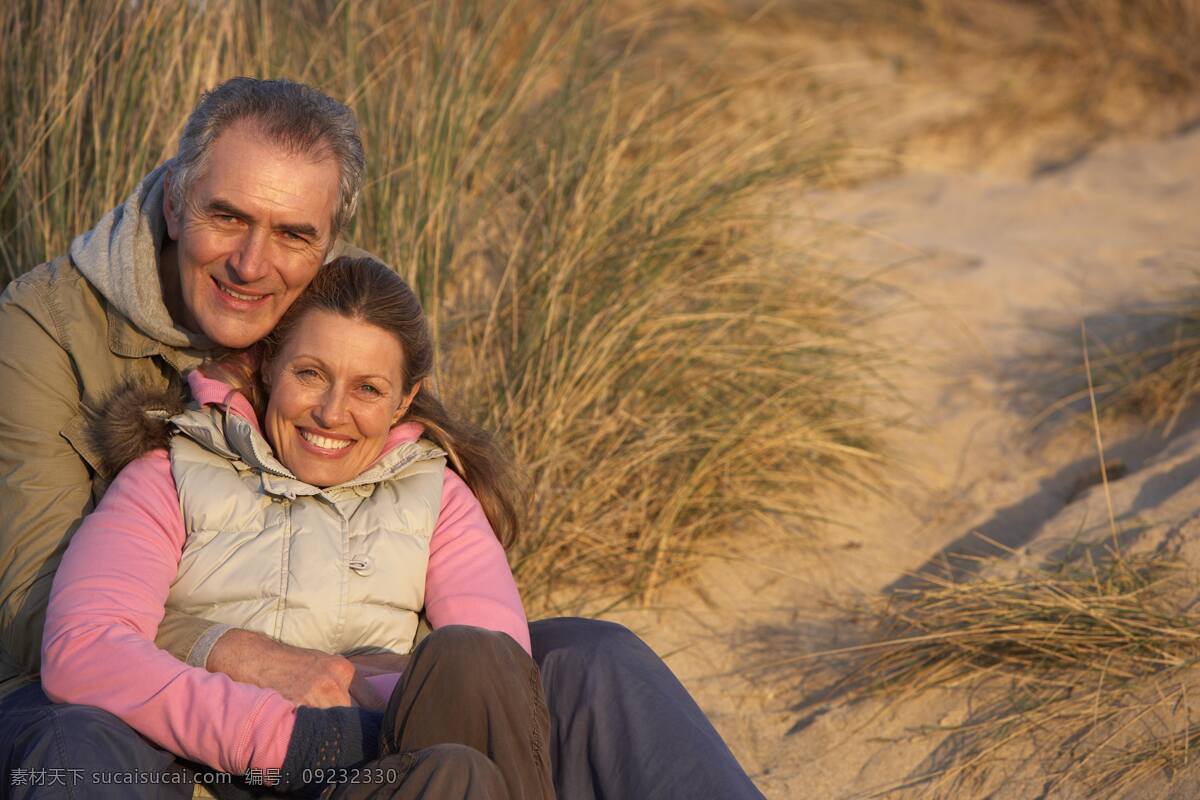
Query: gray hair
<point x="289" y="114"/>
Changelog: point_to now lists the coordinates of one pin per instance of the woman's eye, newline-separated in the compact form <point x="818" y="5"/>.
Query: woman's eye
<point x="369" y="389"/>
<point x="307" y="373"/>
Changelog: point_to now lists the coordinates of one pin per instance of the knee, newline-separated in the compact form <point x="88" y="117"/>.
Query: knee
<point x="472" y="647"/>
<point x="456" y="757"/>
<point x="441" y="770"/>
<point x="52" y="735"/>
<point x="458" y="769"/>
<point x="69" y="724"/>
<point x="576" y="642"/>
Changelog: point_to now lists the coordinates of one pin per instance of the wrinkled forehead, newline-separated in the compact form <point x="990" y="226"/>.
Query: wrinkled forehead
<point x="286" y="140"/>
<point x="249" y="174"/>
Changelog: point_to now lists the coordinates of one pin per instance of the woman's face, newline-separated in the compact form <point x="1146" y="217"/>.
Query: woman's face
<point x="336" y="389"/>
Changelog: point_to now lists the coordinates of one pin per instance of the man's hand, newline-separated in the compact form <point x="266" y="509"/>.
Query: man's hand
<point x="306" y="677"/>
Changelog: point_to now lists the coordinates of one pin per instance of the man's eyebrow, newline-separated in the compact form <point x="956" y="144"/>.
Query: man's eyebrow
<point x="298" y="228"/>
<point x="218" y="205"/>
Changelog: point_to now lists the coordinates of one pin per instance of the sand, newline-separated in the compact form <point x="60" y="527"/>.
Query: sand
<point x="986" y="279"/>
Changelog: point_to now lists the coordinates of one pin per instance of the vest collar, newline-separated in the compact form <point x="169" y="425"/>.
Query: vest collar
<point x="232" y="436"/>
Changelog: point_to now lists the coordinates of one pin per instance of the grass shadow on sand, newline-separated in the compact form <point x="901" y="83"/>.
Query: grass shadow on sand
<point x="1072" y="676"/>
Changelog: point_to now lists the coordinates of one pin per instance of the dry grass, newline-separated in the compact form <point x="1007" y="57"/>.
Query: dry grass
<point x="1110" y="66"/>
<point x="1154" y="375"/>
<point x="1150" y="41"/>
<point x="93" y="96"/>
<point x="1083" y="669"/>
<point x="1007" y="85"/>
<point x="1145" y="368"/>
<point x="596" y="247"/>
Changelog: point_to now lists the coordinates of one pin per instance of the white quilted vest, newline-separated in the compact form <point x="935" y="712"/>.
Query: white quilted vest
<point x="340" y="569"/>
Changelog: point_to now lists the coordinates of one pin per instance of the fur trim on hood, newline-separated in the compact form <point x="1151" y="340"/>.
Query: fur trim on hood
<point x="133" y="421"/>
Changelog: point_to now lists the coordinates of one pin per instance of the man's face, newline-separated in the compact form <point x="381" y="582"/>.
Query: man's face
<point x="252" y="232"/>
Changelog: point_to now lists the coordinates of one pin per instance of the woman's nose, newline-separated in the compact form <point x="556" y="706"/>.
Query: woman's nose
<point x="332" y="410"/>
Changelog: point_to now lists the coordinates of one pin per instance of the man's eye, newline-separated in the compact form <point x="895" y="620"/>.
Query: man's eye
<point x="294" y="237"/>
<point x="227" y="219"/>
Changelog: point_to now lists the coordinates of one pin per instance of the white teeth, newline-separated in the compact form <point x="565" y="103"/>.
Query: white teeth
<point x="232" y="293"/>
<point x="328" y="444"/>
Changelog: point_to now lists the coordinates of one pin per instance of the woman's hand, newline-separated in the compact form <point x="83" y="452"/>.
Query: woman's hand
<point x="368" y="666"/>
<point x="379" y="663"/>
<point x="364" y="695"/>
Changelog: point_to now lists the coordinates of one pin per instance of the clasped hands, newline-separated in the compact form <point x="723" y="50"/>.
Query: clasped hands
<point x="306" y="677"/>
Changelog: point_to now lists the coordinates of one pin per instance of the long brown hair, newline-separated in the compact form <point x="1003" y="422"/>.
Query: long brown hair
<point x="363" y="289"/>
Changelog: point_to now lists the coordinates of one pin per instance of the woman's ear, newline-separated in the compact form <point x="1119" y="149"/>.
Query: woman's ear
<point x="405" y="404"/>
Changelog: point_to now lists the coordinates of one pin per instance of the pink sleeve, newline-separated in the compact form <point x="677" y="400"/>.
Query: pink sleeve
<point x="105" y="607"/>
<point x="469" y="581"/>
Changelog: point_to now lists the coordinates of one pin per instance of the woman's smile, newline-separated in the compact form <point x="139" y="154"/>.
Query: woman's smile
<point x="323" y="443"/>
<point x="336" y="389"/>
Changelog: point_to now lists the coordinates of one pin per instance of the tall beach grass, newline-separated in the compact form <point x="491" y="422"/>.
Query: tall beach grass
<point x="596" y="246"/>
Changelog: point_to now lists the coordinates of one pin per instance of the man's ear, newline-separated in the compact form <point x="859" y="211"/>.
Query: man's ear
<point x="170" y="212"/>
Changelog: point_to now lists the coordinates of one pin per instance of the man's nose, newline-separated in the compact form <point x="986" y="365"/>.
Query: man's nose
<point x="332" y="410"/>
<point x="249" y="260"/>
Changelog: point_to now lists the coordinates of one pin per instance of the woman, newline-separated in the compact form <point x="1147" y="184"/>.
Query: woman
<point x="358" y="503"/>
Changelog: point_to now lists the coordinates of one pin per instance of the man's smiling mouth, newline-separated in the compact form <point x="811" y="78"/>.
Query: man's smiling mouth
<point x="245" y="298"/>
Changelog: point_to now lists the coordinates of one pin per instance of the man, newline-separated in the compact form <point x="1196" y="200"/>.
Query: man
<point x="208" y="253"/>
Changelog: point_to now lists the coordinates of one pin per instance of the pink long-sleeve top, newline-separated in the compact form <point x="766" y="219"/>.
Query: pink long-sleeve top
<point x="109" y="592"/>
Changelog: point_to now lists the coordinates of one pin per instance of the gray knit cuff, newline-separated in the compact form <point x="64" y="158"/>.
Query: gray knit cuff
<point x="198" y="655"/>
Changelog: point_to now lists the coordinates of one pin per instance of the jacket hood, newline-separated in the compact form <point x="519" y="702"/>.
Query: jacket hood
<point x="119" y="256"/>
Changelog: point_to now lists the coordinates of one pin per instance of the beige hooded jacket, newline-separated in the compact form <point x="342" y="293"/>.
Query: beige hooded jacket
<point x="71" y="331"/>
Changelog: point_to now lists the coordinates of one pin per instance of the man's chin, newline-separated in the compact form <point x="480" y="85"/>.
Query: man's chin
<point x="235" y="337"/>
<point x="234" y="327"/>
